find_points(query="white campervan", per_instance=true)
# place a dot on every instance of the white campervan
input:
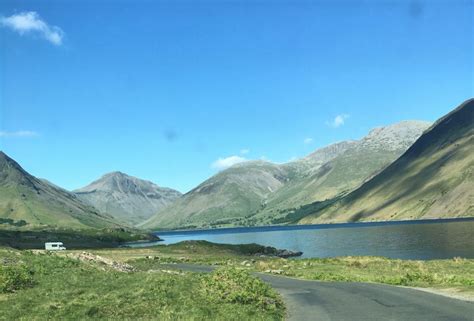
(54, 246)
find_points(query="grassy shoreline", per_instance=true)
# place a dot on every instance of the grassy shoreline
(456, 273)
(138, 283)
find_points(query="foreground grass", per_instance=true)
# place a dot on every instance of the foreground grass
(54, 287)
(436, 273)
(455, 273)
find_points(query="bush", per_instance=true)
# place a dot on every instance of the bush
(9, 221)
(13, 278)
(231, 285)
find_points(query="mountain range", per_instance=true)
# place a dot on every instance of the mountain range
(259, 192)
(224, 198)
(434, 178)
(407, 170)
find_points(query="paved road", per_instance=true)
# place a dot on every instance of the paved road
(338, 301)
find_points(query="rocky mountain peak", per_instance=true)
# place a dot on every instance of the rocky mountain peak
(325, 154)
(398, 136)
(126, 197)
(120, 182)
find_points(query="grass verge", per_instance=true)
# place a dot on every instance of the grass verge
(63, 288)
(450, 273)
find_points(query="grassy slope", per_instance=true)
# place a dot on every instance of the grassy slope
(69, 289)
(225, 197)
(20, 203)
(240, 202)
(24, 197)
(434, 178)
(260, 193)
(338, 177)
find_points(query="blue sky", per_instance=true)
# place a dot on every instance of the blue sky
(164, 89)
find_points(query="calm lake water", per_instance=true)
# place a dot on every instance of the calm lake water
(433, 239)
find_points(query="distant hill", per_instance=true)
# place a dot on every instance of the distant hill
(25, 199)
(127, 198)
(434, 178)
(228, 196)
(260, 193)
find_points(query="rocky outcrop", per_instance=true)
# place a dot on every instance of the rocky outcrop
(96, 259)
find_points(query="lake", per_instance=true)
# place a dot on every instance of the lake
(426, 239)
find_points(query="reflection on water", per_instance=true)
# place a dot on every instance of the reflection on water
(418, 240)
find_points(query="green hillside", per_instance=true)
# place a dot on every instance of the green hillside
(260, 193)
(226, 197)
(432, 179)
(355, 163)
(28, 201)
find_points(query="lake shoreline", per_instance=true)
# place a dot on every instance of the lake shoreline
(263, 228)
(447, 277)
(415, 240)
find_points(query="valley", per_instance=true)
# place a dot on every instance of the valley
(236, 160)
(408, 170)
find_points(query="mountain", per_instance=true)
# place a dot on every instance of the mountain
(340, 168)
(25, 199)
(261, 193)
(226, 197)
(127, 198)
(434, 178)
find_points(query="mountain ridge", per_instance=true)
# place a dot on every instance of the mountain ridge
(125, 197)
(28, 199)
(256, 192)
(432, 179)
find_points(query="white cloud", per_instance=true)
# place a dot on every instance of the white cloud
(30, 22)
(244, 151)
(20, 133)
(307, 140)
(223, 163)
(338, 121)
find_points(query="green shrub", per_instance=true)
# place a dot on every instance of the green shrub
(231, 285)
(11, 222)
(13, 278)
